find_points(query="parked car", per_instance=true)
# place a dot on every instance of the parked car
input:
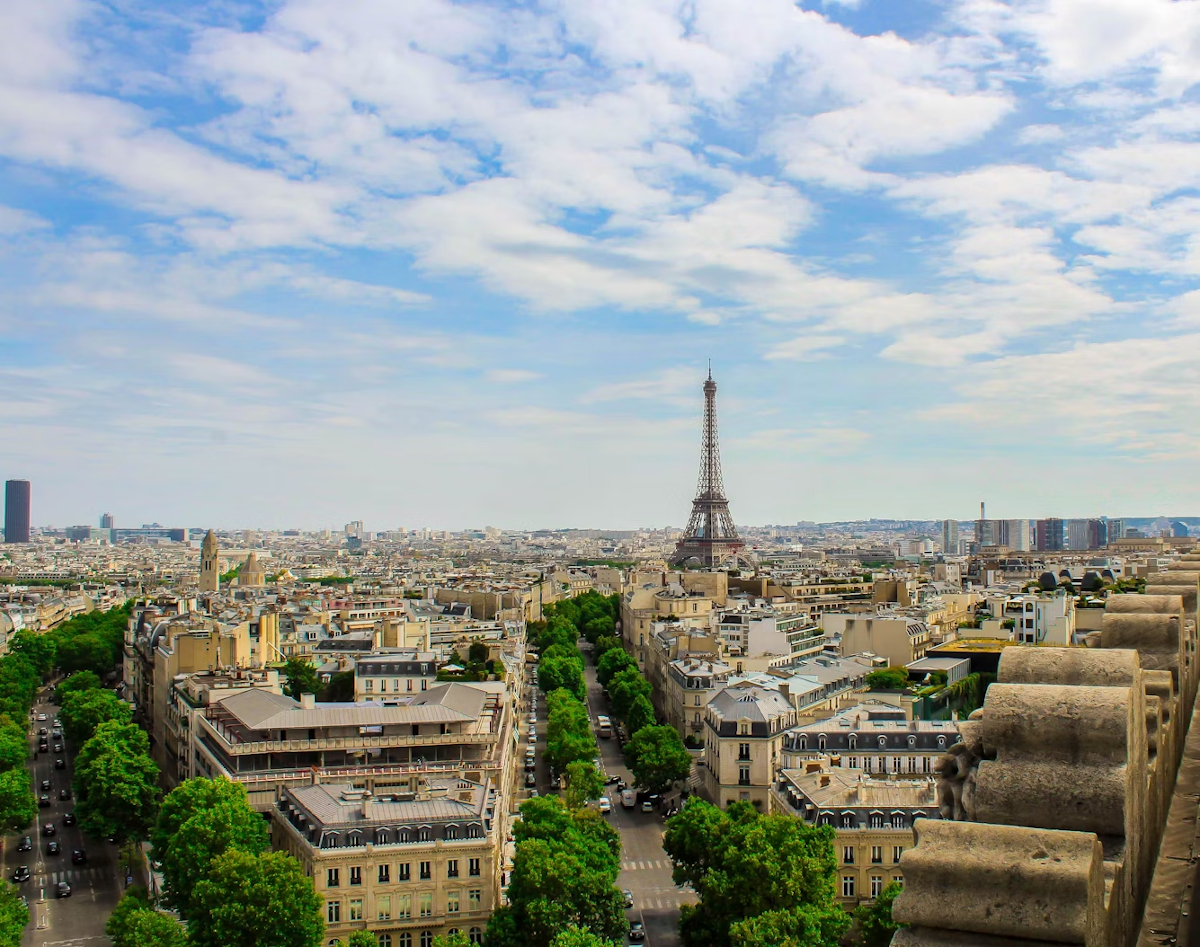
(628, 895)
(530, 780)
(647, 805)
(612, 780)
(25, 845)
(78, 857)
(637, 932)
(21, 874)
(62, 889)
(53, 848)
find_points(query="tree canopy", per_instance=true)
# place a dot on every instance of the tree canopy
(613, 661)
(79, 681)
(84, 710)
(17, 805)
(135, 922)
(625, 688)
(260, 900)
(559, 672)
(640, 714)
(657, 757)
(888, 679)
(583, 783)
(38, 649)
(873, 919)
(301, 678)
(116, 783)
(14, 915)
(568, 731)
(762, 880)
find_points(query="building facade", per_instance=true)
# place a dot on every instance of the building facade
(743, 743)
(17, 504)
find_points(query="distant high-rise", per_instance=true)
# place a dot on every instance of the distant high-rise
(16, 511)
(1115, 530)
(1049, 535)
(950, 541)
(106, 521)
(710, 536)
(1014, 534)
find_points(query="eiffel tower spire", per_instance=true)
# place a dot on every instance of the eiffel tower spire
(710, 536)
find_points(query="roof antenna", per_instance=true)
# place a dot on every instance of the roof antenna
(710, 369)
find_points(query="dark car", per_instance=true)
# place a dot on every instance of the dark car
(62, 889)
(43, 801)
(78, 857)
(612, 780)
(530, 779)
(637, 932)
(45, 785)
(53, 848)
(25, 845)
(60, 764)
(69, 818)
(628, 896)
(64, 793)
(56, 733)
(43, 747)
(58, 747)
(42, 731)
(48, 829)
(21, 874)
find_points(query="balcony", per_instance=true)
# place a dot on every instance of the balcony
(231, 745)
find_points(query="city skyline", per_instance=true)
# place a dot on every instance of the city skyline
(482, 283)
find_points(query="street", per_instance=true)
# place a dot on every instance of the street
(96, 885)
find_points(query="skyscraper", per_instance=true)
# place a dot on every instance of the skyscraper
(1049, 534)
(16, 511)
(950, 543)
(106, 521)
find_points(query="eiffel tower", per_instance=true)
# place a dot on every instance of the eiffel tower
(710, 537)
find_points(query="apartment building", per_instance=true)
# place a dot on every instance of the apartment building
(743, 744)
(691, 683)
(873, 819)
(392, 675)
(874, 737)
(405, 864)
(899, 638)
(645, 606)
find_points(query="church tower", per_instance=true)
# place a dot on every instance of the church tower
(210, 569)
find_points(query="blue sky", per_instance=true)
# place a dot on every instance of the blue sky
(457, 264)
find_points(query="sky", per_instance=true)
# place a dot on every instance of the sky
(465, 263)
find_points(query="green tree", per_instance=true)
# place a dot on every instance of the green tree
(596, 628)
(561, 672)
(14, 743)
(189, 798)
(17, 805)
(14, 915)
(19, 682)
(457, 939)
(478, 652)
(640, 715)
(301, 678)
(255, 901)
(37, 649)
(367, 939)
(205, 836)
(85, 653)
(874, 918)
(612, 663)
(604, 645)
(116, 783)
(583, 784)
(575, 936)
(568, 731)
(83, 711)
(888, 679)
(119, 924)
(340, 688)
(657, 757)
(761, 879)
(150, 928)
(79, 681)
(625, 688)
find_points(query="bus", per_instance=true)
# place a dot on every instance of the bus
(603, 727)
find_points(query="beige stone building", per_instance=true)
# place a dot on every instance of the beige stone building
(744, 730)
(900, 639)
(406, 864)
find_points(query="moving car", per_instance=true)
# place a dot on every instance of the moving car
(25, 845)
(21, 874)
(41, 717)
(60, 764)
(48, 829)
(78, 857)
(62, 890)
(45, 785)
(58, 747)
(69, 818)
(42, 731)
(637, 932)
(605, 805)
(44, 801)
(628, 798)
(64, 793)
(647, 805)
(53, 848)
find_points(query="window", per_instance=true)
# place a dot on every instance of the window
(409, 683)
(877, 820)
(356, 875)
(404, 872)
(452, 902)
(331, 878)
(895, 764)
(426, 871)
(451, 830)
(383, 907)
(356, 913)
(475, 935)
(333, 912)
(854, 762)
(475, 899)
(897, 851)
(925, 764)
(385, 940)
(899, 820)
(882, 742)
(473, 867)
(848, 855)
(385, 874)
(696, 701)
(425, 904)
(899, 879)
(847, 886)
(403, 906)
(942, 741)
(426, 936)
(912, 741)
(452, 868)
(405, 940)
(821, 742)
(743, 751)
(370, 685)
(744, 729)
(876, 854)
(876, 885)
(424, 687)
(847, 820)
(743, 775)
(395, 683)
(853, 741)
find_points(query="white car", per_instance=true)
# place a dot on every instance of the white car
(532, 736)
(605, 805)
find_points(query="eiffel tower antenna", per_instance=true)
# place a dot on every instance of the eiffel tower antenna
(710, 536)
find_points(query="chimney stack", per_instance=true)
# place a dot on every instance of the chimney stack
(366, 806)
(308, 701)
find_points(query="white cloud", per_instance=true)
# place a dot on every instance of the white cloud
(804, 348)
(511, 376)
